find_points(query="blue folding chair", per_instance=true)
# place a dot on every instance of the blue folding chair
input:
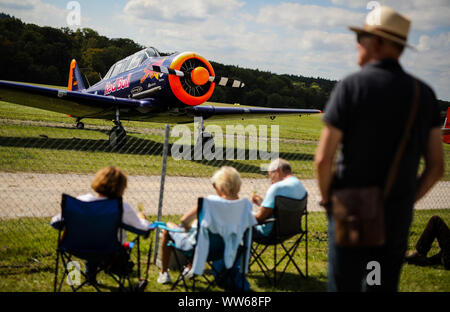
(92, 231)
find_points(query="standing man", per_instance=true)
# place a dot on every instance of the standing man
(366, 115)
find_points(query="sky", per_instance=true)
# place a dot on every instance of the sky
(308, 38)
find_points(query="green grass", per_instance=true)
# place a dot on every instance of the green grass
(41, 148)
(27, 260)
(48, 146)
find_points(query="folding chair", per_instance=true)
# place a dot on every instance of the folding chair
(288, 214)
(92, 231)
(216, 252)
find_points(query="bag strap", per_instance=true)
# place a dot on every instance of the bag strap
(401, 148)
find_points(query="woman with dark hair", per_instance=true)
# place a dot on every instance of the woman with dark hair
(109, 183)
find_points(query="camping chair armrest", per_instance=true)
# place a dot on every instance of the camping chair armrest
(162, 225)
(268, 220)
(58, 225)
(136, 231)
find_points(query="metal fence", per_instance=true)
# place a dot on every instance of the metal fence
(40, 160)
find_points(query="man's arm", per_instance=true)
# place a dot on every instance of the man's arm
(434, 163)
(326, 149)
(263, 214)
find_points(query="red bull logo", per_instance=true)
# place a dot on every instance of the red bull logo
(119, 84)
(151, 74)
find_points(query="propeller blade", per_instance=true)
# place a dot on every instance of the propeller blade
(221, 81)
(226, 82)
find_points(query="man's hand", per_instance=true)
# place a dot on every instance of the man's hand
(256, 199)
(434, 163)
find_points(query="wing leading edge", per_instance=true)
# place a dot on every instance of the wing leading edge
(79, 104)
(214, 112)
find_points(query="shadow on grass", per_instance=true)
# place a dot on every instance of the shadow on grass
(140, 146)
(289, 282)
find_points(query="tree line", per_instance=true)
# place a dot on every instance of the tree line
(32, 53)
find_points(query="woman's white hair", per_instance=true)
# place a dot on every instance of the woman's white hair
(227, 180)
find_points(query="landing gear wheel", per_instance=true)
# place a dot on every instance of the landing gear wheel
(117, 137)
(208, 142)
(80, 125)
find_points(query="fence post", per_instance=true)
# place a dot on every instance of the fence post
(161, 189)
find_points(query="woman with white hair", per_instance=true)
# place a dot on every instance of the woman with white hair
(227, 183)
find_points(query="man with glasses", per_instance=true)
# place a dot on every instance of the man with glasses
(284, 183)
(366, 115)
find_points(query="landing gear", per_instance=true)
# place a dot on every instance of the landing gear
(208, 142)
(205, 139)
(117, 135)
(79, 125)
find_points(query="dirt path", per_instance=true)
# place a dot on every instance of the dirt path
(39, 195)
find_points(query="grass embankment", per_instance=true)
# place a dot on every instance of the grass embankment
(28, 264)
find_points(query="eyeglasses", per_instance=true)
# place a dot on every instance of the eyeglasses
(360, 36)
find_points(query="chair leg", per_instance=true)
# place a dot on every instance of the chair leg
(263, 267)
(180, 276)
(56, 271)
(275, 266)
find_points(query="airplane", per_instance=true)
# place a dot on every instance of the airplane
(144, 86)
(446, 128)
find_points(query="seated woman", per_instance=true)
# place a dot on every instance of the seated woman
(227, 183)
(109, 183)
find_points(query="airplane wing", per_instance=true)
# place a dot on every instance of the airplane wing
(73, 103)
(217, 113)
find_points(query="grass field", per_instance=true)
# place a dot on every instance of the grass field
(46, 145)
(22, 268)
(50, 141)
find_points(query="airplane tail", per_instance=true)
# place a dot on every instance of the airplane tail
(75, 81)
(446, 128)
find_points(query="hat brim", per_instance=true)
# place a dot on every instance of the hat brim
(380, 33)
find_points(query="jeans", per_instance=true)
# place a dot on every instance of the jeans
(348, 267)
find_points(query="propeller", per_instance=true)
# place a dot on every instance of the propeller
(199, 76)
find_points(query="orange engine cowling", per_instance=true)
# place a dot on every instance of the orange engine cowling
(195, 89)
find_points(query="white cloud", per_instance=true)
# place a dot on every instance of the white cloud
(298, 16)
(180, 11)
(424, 14)
(431, 62)
(35, 11)
(351, 3)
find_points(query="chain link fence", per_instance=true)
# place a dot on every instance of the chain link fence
(40, 160)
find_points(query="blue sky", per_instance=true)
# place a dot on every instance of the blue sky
(307, 38)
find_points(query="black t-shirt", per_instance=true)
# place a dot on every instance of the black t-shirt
(371, 108)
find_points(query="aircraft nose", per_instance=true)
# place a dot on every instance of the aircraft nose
(199, 76)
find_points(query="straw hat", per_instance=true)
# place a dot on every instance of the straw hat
(384, 22)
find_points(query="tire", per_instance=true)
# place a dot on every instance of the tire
(117, 137)
(208, 139)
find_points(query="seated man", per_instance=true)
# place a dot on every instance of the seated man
(283, 184)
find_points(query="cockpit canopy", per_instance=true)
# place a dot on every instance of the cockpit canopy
(131, 62)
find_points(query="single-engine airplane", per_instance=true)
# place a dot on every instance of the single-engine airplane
(446, 128)
(144, 86)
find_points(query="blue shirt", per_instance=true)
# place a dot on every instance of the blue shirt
(290, 187)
